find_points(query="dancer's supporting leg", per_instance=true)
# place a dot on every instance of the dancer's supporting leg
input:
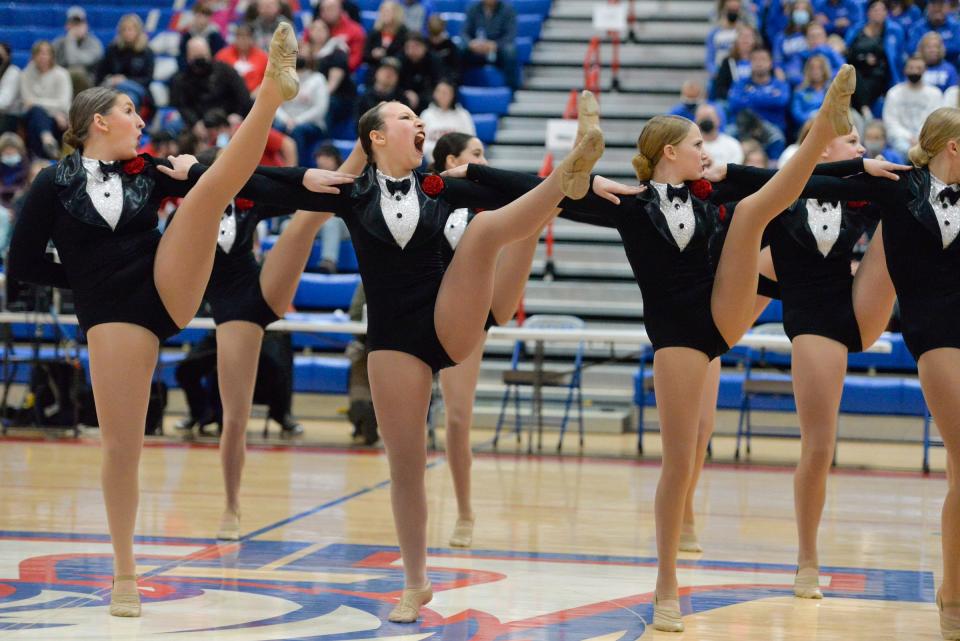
(819, 366)
(735, 287)
(708, 420)
(939, 371)
(122, 356)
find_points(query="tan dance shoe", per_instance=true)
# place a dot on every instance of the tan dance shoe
(229, 527)
(462, 536)
(806, 584)
(576, 167)
(949, 623)
(125, 604)
(836, 104)
(412, 599)
(588, 114)
(282, 64)
(666, 615)
(690, 543)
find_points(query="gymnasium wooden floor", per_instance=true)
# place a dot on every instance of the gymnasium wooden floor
(563, 550)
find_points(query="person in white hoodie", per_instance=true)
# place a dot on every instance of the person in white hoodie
(444, 115)
(304, 118)
(908, 104)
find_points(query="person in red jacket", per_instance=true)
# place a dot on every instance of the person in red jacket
(331, 12)
(249, 60)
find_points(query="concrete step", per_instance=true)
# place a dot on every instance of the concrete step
(590, 261)
(525, 129)
(655, 81)
(567, 230)
(619, 300)
(644, 10)
(614, 164)
(613, 106)
(646, 32)
(652, 56)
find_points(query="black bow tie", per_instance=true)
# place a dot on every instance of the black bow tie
(393, 186)
(831, 203)
(108, 168)
(682, 192)
(949, 193)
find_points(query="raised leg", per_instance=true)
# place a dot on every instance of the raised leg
(185, 255)
(459, 386)
(735, 286)
(238, 354)
(873, 293)
(280, 274)
(122, 361)
(819, 366)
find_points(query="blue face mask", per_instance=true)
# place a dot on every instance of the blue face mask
(801, 17)
(11, 160)
(222, 139)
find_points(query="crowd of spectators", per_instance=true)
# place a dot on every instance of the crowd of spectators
(769, 64)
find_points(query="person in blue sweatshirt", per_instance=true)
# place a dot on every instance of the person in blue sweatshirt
(758, 104)
(838, 15)
(940, 19)
(940, 73)
(905, 13)
(816, 41)
(808, 97)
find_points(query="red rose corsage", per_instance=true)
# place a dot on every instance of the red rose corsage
(432, 185)
(722, 213)
(243, 204)
(701, 188)
(134, 166)
(857, 204)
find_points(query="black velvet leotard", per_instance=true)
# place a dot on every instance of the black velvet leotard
(109, 270)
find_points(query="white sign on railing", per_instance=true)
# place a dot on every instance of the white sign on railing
(610, 17)
(561, 133)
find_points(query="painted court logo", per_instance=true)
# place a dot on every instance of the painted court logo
(52, 587)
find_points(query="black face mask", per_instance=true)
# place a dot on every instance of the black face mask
(733, 16)
(201, 66)
(707, 126)
(914, 77)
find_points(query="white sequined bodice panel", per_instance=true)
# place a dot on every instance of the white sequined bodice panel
(456, 224)
(948, 215)
(401, 212)
(679, 215)
(105, 191)
(228, 229)
(823, 218)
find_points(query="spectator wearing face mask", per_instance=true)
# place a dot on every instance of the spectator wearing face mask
(730, 14)
(907, 105)
(202, 26)
(940, 73)
(792, 41)
(13, 167)
(837, 15)
(875, 143)
(207, 84)
(718, 145)
(815, 37)
(691, 97)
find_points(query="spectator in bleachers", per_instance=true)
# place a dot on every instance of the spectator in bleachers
(415, 14)
(330, 57)
(46, 92)
(489, 37)
(304, 118)
(388, 36)
(718, 145)
(691, 97)
(443, 116)
(78, 50)
(386, 86)
(14, 166)
(334, 231)
(265, 16)
(207, 84)
(908, 104)
(905, 13)
(246, 58)
(162, 144)
(127, 65)
(791, 41)
(35, 168)
(754, 155)
(837, 16)
(940, 73)
(444, 48)
(759, 104)
(730, 15)
(9, 90)
(939, 17)
(808, 97)
(201, 27)
(420, 72)
(342, 26)
(815, 37)
(875, 143)
(736, 65)
(873, 50)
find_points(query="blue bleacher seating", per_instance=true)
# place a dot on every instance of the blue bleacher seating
(360, 75)
(495, 100)
(486, 76)
(368, 19)
(449, 6)
(524, 50)
(529, 26)
(454, 22)
(486, 125)
(325, 291)
(346, 263)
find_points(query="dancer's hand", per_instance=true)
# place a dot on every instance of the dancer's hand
(324, 181)
(716, 172)
(460, 171)
(610, 189)
(883, 168)
(181, 166)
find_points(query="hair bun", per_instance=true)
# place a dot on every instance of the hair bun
(919, 156)
(70, 138)
(641, 165)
